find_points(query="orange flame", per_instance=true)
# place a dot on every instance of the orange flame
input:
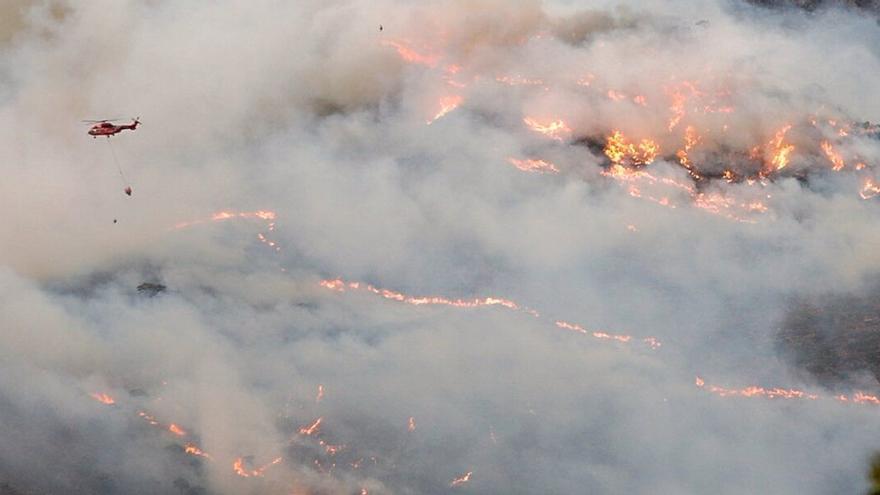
(650, 341)
(103, 398)
(587, 80)
(410, 55)
(227, 215)
(835, 158)
(311, 429)
(869, 189)
(712, 203)
(461, 479)
(753, 391)
(330, 449)
(149, 419)
(616, 95)
(619, 150)
(412, 424)
(519, 81)
(691, 138)
(534, 166)
(554, 129)
(239, 469)
(266, 215)
(173, 428)
(193, 450)
(784, 393)
(446, 105)
(340, 285)
(677, 108)
(781, 152)
(862, 398)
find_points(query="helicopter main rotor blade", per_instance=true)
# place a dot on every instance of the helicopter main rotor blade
(100, 121)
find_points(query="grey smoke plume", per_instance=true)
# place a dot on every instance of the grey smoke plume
(308, 110)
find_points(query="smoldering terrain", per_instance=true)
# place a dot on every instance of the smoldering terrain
(439, 247)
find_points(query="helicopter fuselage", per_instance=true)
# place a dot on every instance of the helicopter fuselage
(108, 129)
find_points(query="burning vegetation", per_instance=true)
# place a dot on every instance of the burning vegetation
(710, 145)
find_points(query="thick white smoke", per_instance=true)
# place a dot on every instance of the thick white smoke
(389, 157)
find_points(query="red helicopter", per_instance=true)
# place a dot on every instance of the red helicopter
(107, 128)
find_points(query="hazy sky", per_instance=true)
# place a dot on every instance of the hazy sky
(308, 111)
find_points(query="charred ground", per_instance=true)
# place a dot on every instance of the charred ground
(835, 338)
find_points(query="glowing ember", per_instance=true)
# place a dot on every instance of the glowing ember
(835, 158)
(461, 479)
(554, 129)
(103, 398)
(446, 105)
(311, 429)
(412, 424)
(534, 166)
(320, 394)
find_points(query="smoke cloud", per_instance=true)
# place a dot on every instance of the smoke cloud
(431, 257)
